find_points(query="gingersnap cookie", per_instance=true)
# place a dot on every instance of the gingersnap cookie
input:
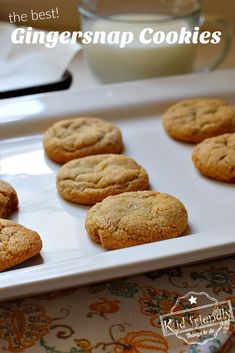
(215, 157)
(80, 137)
(8, 199)
(90, 179)
(194, 120)
(135, 218)
(17, 244)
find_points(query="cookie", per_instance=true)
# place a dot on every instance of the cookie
(135, 218)
(90, 179)
(8, 199)
(17, 244)
(80, 137)
(194, 120)
(215, 157)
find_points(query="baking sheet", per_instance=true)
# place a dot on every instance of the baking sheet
(69, 257)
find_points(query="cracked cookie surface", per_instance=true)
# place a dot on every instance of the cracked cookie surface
(135, 218)
(79, 137)
(215, 157)
(194, 120)
(17, 244)
(90, 179)
(8, 199)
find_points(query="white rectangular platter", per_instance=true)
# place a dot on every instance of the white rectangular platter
(69, 257)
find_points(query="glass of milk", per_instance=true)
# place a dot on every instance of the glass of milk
(127, 39)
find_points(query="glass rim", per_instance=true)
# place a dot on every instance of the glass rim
(89, 14)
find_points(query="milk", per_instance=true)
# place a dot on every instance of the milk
(137, 60)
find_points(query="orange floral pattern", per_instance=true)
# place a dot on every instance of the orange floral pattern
(22, 325)
(83, 320)
(84, 344)
(140, 342)
(105, 306)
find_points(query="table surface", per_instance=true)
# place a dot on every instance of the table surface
(118, 316)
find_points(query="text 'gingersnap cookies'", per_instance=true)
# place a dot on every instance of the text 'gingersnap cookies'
(8, 200)
(215, 158)
(79, 137)
(17, 244)
(194, 120)
(135, 218)
(89, 180)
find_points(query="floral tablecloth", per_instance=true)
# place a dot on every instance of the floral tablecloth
(120, 316)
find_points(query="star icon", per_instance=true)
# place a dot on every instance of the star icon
(192, 300)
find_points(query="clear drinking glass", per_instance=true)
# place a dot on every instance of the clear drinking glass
(110, 63)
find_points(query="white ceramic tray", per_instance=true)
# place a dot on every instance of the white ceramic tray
(69, 257)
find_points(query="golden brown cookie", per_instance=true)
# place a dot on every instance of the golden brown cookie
(215, 157)
(8, 199)
(79, 137)
(194, 120)
(17, 244)
(135, 218)
(90, 179)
